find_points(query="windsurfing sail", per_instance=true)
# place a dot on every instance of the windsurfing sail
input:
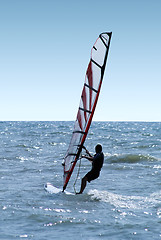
(89, 97)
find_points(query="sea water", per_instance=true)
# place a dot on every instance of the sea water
(123, 203)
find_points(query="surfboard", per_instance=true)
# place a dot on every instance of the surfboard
(54, 190)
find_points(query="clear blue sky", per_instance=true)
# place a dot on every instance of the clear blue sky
(45, 48)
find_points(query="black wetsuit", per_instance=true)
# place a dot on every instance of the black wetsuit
(97, 164)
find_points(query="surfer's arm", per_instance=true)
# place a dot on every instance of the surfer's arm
(90, 158)
(87, 152)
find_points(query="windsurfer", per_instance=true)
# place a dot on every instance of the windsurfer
(97, 163)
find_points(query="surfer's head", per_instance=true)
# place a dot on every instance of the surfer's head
(98, 148)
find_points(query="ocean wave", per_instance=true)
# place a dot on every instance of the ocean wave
(131, 158)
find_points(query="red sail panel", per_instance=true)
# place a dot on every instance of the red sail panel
(84, 99)
(89, 97)
(90, 82)
(79, 118)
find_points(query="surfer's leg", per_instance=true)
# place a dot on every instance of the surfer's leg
(83, 184)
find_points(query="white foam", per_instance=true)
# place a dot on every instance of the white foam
(120, 201)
